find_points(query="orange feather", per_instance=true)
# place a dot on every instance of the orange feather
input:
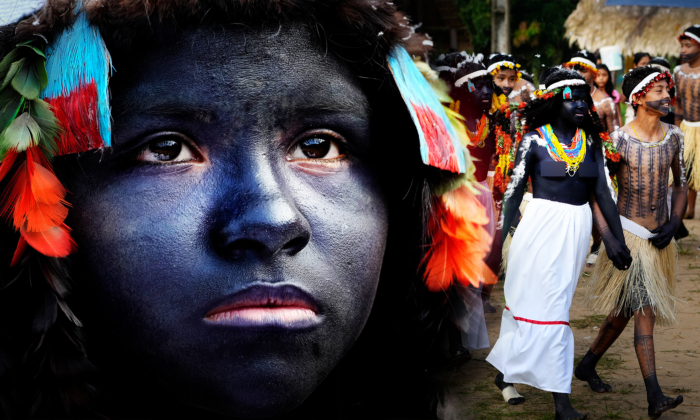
(459, 241)
(21, 247)
(54, 242)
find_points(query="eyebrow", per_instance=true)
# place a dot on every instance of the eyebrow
(182, 112)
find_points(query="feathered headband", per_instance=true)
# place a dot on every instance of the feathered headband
(495, 67)
(54, 100)
(581, 61)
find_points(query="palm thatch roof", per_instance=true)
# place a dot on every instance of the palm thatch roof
(633, 28)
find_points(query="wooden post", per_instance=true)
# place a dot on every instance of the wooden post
(500, 26)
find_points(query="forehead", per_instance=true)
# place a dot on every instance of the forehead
(235, 69)
(506, 72)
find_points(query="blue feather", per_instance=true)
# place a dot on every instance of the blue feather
(77, 57)
(416, 92)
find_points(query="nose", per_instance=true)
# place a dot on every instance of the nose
(261, 219)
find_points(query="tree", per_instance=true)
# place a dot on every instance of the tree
(537, 29)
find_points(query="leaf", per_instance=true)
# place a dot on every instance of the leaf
(10, 102)
(14, 68)
(22, 133)
(7, 61)
(36, 50)
(27, 82)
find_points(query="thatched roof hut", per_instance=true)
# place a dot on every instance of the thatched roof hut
(633, 28)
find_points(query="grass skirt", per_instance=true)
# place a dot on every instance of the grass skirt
(650, 280)
(691, 154)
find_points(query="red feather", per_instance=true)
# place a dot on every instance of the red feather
(54, 242)
(7, 163)
(21, 247)
(459, 241)
(77, 116)
(441, 152)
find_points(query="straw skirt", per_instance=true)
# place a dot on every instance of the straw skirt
(536, 346)
(691, 152)
(650, 280)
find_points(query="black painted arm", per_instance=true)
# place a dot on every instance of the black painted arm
(518, 181)
(679, 199)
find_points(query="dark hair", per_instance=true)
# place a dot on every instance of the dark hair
(663, 62)
(609, 87)
(460, 63)
(638, 57)
(540, 111)
(547, 72)
(496, 57)
(633, 78)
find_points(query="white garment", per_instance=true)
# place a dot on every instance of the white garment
(536, 346)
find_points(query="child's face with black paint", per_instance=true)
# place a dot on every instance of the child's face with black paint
(231, 242)
(689, 50)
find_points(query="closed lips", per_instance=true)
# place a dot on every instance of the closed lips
(267, 306)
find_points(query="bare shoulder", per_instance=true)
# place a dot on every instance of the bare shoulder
(674, 130)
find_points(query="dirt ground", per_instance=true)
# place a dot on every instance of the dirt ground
(471, 393)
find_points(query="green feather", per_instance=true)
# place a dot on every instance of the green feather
(24, 132)
(12, 72)
(7, 61)
(10, 102)
(27, 81)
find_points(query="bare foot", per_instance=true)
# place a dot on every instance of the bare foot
(666, 403)
(488, 308)
(594, 381)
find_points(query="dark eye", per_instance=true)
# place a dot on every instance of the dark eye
(167, 149)
(316, 147)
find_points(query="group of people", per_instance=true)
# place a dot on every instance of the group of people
(249, 234)
(562, 147)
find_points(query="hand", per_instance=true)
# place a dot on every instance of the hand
(664, 234)
(619, 254)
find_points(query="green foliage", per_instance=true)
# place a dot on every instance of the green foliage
(537, 28)
(476, 16)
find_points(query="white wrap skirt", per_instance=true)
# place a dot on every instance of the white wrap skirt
(536, 346)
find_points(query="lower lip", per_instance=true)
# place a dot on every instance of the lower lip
(290, 317)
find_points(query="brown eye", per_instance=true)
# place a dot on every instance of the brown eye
(167, 149)
(316, 147)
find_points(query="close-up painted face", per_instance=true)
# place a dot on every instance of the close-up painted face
(657, 100)
(601, 78)
(230, 243)
(575, 109)
(483, 95)
(689, 50)
(505, 79)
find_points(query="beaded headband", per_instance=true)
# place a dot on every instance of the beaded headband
(690, 35)
(582, 62)
(479, 73)
(645, 85)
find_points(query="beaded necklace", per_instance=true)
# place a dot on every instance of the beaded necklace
(572, 155)
(482, 130)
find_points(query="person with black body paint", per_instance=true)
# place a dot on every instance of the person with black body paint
(563, 156)
(472, 90)
(251, 239)
(648, 150)
(687, 80)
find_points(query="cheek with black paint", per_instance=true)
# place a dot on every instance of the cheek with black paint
(660, 105)
(689, 57)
